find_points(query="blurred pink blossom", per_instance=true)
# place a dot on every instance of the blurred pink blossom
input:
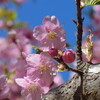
(2, 24)
(96, 51)
(96, 20)
(8, 50)
(31, 90)
(4, 89)
(20, 1)
(1, 69)
(3, 1)
(96, 8)
(21, 34)
(97, 33)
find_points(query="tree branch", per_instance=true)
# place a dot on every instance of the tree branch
(71, 90)
(67, 67)
(79, 34)
(84, 86)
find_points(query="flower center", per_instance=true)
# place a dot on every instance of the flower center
(51, 34)
(43, 68)
(32, 88)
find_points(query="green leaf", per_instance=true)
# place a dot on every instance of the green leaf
(11, 74)
(2, 12)
(92, 2)
(10, 15)
(20, 24)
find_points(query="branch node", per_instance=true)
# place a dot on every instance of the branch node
(75, 21)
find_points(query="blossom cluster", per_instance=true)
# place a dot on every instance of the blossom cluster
(28, 76)
(41, 68)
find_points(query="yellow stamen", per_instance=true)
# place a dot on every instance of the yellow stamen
(43, 68)
(51, 34)
(61, 67)
(33, 87)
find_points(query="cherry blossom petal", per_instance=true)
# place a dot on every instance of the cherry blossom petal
(55, 20)
(22, 82)
(33, 59)
(39, 32)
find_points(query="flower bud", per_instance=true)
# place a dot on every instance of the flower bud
(68, 56)
(53, 52)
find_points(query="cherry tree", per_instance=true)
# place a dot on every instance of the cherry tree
(33, 76)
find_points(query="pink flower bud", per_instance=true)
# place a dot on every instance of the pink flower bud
(53, 52)
(68, 56)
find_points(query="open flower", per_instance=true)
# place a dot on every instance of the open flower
(42, 67)
(31, 90)
(50, 34)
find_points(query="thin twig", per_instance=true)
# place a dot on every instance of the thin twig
(74, 21)
(66, 66)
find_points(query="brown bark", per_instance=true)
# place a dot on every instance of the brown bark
(71, 89)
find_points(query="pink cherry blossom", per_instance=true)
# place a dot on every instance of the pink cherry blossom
(3, 1)
(1, 69)
(96, 20)
(50, 34)
(58, 80)
(31, 90)
(8, 51)
(20, 1)
(3, 43)
(97, 33)
(20, 71)
(15, 90)
(96, 8)
(20, 65)
(96, 16)
(2, 24)
(68, 56)
(18, 35)
(96, 52)
(21, 34)
(42, 67)
(4, 89)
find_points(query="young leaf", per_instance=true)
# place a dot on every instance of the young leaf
(10, 15)
(92, 2)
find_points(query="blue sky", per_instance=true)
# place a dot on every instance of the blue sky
(33, 12)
